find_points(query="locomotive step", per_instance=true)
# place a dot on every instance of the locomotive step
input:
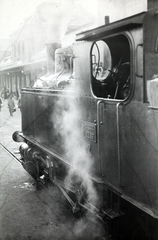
(111, 213)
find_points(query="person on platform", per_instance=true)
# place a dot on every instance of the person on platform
(11, 106)
(19, 102)
(0, 103)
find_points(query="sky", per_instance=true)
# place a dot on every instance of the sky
(13, 12)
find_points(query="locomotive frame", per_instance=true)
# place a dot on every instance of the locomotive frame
(93, 131)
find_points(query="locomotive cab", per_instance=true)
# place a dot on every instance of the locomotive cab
(122, 61)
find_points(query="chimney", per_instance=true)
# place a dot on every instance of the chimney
(107, 20)
(56, 30)
(50, 48)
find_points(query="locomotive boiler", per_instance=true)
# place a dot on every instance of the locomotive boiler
(92, 127)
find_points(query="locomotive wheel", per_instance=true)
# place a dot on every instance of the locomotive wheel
(88, 213)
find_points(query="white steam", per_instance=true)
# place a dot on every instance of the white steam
(67, 122)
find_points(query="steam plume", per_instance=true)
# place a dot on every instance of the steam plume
(67, 123)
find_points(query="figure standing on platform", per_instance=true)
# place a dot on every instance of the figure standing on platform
(0, 103)
(19, 102)
(11, 105)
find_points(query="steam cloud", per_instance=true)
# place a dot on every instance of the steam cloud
(68, 125)
(67, 122)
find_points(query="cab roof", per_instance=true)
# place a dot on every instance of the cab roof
(111, 28)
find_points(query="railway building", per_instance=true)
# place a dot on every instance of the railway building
(27, 56)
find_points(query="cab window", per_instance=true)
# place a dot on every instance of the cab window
(110, 68)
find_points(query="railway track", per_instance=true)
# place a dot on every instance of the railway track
(11, 154)
(5, 130)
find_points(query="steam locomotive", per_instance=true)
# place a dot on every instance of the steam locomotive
(91, 128)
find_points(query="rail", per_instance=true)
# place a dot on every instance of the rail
(10, 153)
